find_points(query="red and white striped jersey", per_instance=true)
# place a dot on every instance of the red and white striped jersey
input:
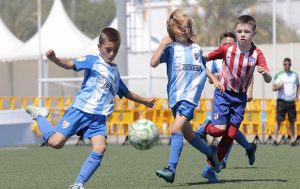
(238, 67)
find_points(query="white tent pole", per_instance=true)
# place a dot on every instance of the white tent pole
(39, 23)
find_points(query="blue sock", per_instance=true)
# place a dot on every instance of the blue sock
(90, 165)
(46, 128)
(175, 150)
(200, 145)
(241, 140)
(225, 159)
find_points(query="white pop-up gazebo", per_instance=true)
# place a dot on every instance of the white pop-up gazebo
(59, 33)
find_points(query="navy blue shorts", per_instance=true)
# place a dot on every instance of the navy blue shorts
(75, 121)
(185, 108)
(228, 108)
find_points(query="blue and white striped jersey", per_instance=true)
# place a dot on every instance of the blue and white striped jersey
(186, 72)
(100, 85)
(216, 66)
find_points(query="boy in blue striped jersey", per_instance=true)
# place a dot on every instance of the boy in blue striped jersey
(92, 105)
(186, 78)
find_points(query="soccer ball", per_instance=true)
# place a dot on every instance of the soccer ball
(277, 83)
(143, 134)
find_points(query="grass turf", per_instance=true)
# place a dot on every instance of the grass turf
(125, 167)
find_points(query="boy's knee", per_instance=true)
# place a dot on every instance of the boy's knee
(100, 148)
(232, 131)
(56, 144)
(57, 141)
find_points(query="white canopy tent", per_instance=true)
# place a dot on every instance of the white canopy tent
(58, 32)
(9, 41)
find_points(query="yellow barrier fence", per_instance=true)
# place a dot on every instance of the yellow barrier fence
(126, 112)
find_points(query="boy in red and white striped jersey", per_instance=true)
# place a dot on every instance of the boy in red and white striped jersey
(239, 62)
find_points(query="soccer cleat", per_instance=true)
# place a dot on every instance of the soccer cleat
(201, 130)
(214, 160)
(36, 111)
(251, 154)
(76, 186)
(166, 174)
(209, 174)
(223, 164)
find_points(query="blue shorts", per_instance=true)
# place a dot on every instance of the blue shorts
(228, 108)
(185, 108)
(75, 121)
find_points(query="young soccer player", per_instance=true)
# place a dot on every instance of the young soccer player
(239, 62)
(186, 78)
(92, 105)
(228, 38)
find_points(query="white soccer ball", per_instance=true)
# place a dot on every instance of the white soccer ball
(143, 134)
(277, 82)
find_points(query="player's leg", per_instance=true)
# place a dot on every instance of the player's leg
(237, 108)
(249, 147)
(93, 161)
(196, 141)
(291, 110)
(280, 116)
(168, 173)
(95, 129)
(40, 114)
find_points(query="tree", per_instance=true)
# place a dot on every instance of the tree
(21, 15)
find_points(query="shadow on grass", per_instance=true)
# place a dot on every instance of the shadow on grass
(225, 181)
(247, 168)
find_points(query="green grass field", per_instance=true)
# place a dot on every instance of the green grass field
(127, 168)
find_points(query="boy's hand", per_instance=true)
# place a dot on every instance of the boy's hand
(166, 41)
(267, 77)
(150, 102)
(218, 85)
(51, 54)
(261, 70)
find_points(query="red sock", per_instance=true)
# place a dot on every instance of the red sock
(214, 131)
(226, 142)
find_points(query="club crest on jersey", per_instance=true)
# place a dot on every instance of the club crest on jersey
(216, 116)
(196, 56)
(65, 124)
(83, 58)
(251, 60)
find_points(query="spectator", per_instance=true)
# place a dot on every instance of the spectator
(286, 82)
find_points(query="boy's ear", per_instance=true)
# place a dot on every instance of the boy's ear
(98, 45)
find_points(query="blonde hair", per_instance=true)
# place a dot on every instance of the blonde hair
(180, 17)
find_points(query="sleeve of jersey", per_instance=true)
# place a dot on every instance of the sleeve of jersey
(213, 67)
(164, 56)
(219, 53)
(123, 90)
(261, 61)
(202, 58)
(82, 63)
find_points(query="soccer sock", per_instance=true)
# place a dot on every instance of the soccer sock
(241, 140)
(224, 146)
(225, 159)
(45, 127)
(199, 144)
(175, 150)
(226, 142)
(90, 165)
(214, 131)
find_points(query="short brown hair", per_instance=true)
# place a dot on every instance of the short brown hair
(246, 19)
(227, 34)
(110, 34)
